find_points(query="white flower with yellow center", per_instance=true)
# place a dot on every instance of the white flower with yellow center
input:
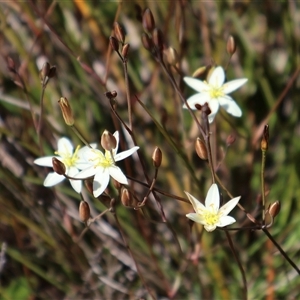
(72, 161)
(215, 93)
(210, 215)
(102, 166)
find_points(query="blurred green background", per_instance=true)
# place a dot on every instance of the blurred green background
(41, 255)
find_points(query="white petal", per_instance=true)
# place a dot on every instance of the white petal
(45, 161)
(229, 206)
(116, 135)
(197, 205)
(126, 153)
(214, 107)
(196, 218)
(233, 85)
(86, 173)
(210, 228)
(225, 221)
(217, 77)
(100, 182)
(230, 106)
(65, 146)
(197, 99)
(116, 173)
(213, 197)
(196, 84)
(76, 184)
(53, 179)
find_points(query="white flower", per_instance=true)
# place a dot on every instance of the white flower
(72, 161)
(102, 166)
(215, 93)
(210, 215)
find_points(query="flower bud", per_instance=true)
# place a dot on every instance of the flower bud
(157, 157)
(148, 20)
(114, 43)
(52, 72)
(205, 109)
(158, 39)
(274, 209)
(230, 140)
(66, 111)
(265, 139)
(116, 184)
(11, 65)
(127, 199)
(125, 50)
(201, 72)
(108, 141)
(111, 95)
(172, 56)
(201, 149)
(58, 166)
(45, 71)
(231, 45)
(147, 42)
(119, 32)
(84, 211)
(89, 185)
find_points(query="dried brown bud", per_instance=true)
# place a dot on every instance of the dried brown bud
(89, 185)
(58, 166)
(108, 141)
(274, 209)
(52, 72)
(125, 50)
(201, 149)
(119, 32)
(11, 65)
(205, 109)
(230, 140)
(148, 20)
(111, 94)
(147, 42)
(156, 157)
(66, 111)
(116, 184)
(172, 56)
(231, 45)
(158, 39)
(84, 211)
(127, 199)
(114, 43)
(45, 70)
(265, 139)
(201, 72)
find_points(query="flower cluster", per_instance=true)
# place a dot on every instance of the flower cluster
(86, 162)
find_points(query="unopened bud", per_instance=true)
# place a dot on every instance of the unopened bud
(58, 166)
(84, 211)
(116, 184)
(52, 72)
(111, 95)
(66, 111)
(89, 185)
(201, 149)
(274, 209)
(119, 32)
(147, 42)
(108, 141)
(157, 157)
(114, 43)
(205, 109)
(11, 65)
(148, 20)
(231, 45)
(126, 198)
(172, 56)
(265, 139)
(158, 39)
(45, 70)
(201, 72)
(230, 140)
(125, 50)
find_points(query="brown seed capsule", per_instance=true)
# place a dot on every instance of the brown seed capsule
(58, 166)
(126, 198)
(265, 139)
(172, 56)
(125, 50)
(66, 111)
(52, 72)
(231, 45)
(111, 94)
(230, 140)
(148, 20)
(147, 42)
(156, 157)
(274, 209)
(45, 70)
(89, 185)
(158, 39)
(116, 184)
(201, 149)
(84, 211)
(119, 32)
(114, 43)
(108, 141)
(11, 65)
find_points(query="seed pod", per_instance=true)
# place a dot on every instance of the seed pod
(45, 71)
(52, 72)
(147, 42)
(231, 45)
(111, 95)
(125, 50)
(158, 39)
(230, 140)
(172, 56)
(148, 20)
(119, 32)
(58, 166)
(116, 184)
(274, 209)
(201, 149)
(157, 157)
(11, 65)
(108, 141)
(265, 139)
(66, 111)
(126, 198)
(84, 211)
(114, 43)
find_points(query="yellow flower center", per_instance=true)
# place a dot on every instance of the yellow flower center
(103, 161)
(68, 158)
(215, 92)
(211, 218)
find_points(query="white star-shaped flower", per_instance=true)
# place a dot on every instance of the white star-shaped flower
(210, 215)
(215, 93)
(102, 166)
(72, 161)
